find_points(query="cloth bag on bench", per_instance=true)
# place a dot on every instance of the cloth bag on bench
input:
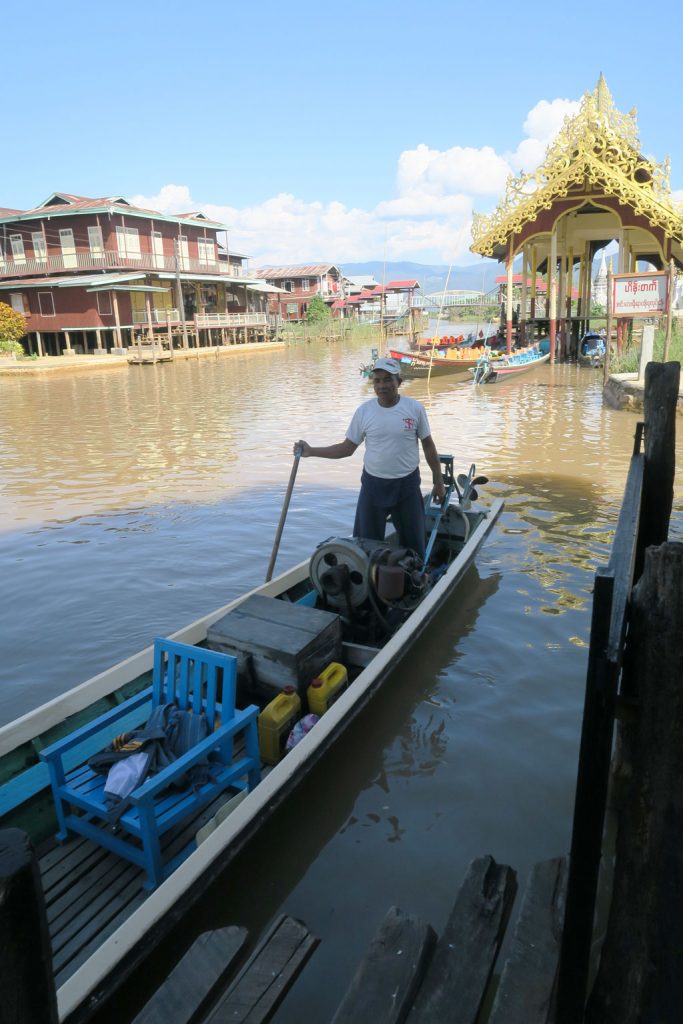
(168, 734)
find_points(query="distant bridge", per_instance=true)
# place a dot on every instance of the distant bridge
(437, 300)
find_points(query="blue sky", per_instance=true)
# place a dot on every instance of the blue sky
(364, 131)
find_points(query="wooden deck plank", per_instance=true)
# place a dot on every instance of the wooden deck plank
(388, 977)
(191, 987)
(527, 983)
(263, 982)
(98, 919)
(459, 973)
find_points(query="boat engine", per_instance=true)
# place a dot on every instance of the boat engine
(368, 581)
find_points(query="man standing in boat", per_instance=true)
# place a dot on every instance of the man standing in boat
(390, 424)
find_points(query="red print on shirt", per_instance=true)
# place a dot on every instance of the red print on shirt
(409, 423)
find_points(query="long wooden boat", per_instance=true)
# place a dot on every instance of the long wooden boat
(456, 363)
(490, 369)
(102, 921)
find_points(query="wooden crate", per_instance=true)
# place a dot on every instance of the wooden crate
(289, 644)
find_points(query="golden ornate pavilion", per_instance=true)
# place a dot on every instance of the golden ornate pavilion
(593, 187)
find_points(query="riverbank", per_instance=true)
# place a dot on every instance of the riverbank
(626, 391)
(49, 365)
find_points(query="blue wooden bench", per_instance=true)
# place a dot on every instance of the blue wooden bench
(196, 680)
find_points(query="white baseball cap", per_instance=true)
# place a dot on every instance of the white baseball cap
(388, 364)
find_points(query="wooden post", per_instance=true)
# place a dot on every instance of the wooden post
(639, 978)
(148, 309)
(669, 311)
(608, 339)
(662, 382)
(169, 333)
(27, 992)
(534, 271)
(117, 320)
(39, 344)
(179, 292)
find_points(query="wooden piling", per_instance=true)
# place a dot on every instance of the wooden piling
(639, 979)
(27, 992)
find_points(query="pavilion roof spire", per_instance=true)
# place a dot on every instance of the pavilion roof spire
(598, 147)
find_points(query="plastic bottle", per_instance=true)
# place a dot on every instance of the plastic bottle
(326, 687)
(275, 723)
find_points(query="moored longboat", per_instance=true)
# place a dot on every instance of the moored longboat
(384, 601)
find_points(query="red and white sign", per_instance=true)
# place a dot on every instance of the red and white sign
(639, 294)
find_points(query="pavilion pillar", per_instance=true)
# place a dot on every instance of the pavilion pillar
(522, 312)
(560, 309)
(552, 293)
(568, 294)
(534, 272)
(508, 298)
(589, 283)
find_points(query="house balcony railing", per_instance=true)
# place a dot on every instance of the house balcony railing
(110, 259)
(164, 317)
(232, 320)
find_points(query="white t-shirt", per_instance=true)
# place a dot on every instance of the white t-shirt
(390, 436)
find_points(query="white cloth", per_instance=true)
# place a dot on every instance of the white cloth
(390, 436)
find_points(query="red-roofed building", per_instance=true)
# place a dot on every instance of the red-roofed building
(297, 285)
(93, 274)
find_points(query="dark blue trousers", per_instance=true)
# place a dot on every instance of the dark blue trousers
(400, 498)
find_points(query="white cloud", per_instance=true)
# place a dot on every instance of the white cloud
(428, 219)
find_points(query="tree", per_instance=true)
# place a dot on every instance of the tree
(317, 310)
(12, 328)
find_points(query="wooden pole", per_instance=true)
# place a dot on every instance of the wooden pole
(27, 991)
(283, 515)
(179, 293)
(669, 311)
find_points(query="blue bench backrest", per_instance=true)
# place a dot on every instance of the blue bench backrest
(196, 679)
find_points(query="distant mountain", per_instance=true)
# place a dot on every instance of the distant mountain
(432, 278)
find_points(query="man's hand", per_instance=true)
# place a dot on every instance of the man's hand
(439, 492)
(302, 448)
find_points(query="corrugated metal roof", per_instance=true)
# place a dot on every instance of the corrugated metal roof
(308, 270)
(403, 284)
(68, 282)
(108, 204)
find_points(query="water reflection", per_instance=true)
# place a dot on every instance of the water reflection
(131, 502)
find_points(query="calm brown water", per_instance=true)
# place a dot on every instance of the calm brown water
(133, 501)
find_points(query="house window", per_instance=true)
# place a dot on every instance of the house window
(287, 286)
(46, 303)
(17, 243)
(66, 240)
(95, 240)
(128, 242)
(292, 308)
(183, 251)
(104, 303)
(19, 303)
(158, 248)
(207, 252)
(39, 247)
(305, 284)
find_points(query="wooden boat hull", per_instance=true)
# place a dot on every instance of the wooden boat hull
(416, 366)
(123, 950)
